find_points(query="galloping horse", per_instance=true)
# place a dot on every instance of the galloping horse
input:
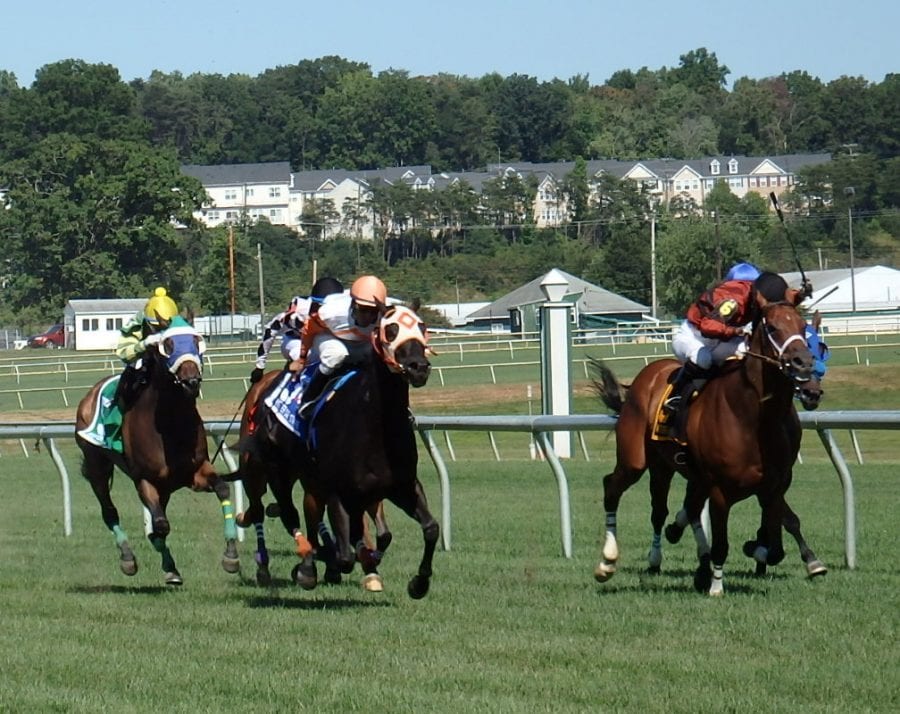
(742, 436)
(163, 447)
(364, 451)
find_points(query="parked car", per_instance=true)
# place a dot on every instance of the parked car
(52, 338)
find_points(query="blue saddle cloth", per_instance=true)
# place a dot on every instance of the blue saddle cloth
(285, 399)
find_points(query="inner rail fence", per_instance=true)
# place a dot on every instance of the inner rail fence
(540, 427)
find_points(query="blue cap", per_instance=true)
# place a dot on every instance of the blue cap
(743, 271)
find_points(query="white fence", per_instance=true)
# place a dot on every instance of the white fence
(539, 426)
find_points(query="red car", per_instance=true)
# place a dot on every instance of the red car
(54, 337)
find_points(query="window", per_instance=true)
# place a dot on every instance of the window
(732, 166)
(231, 194)
(274, 192)
(90, 324)
(248, 192)
(213, 215)
(274, 215)
(113, 323)
(231, 215)
(715, 167)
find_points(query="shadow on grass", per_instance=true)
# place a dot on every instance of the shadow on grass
(121, 589)
(681, 580)
(319, 603)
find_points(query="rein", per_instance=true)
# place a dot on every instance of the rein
(779, 349)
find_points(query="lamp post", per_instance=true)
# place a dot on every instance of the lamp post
(556, 333)
(850, 192)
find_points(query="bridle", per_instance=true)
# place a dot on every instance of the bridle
(398, 326)
(778, 347)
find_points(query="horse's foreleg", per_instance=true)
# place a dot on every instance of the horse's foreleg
(416, 505)
(230, 561)
(814, 566)
(383, 536)
(156, 502)
(254, 515)
(660, 482)
(99, 476)
(706, 578)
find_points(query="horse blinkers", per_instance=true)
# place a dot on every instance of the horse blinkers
(404, 344)
(183, 355)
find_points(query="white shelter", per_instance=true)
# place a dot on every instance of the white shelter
(95, 324)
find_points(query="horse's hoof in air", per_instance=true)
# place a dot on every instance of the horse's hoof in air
(673, 533)
(604, 571)
(173, 577)
(273, 510)
(242, 520)
(305, 576)
(418, 587)
(815, 567)
(128, 566)
(749, 548)
(372, 583)
(761, 554)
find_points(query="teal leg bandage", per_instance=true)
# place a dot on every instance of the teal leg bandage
(121, 536)
(228, 515)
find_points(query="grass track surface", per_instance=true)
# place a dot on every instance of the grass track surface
(509, 625)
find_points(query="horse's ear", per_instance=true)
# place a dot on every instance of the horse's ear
(163, 323)
(189, 316)
(416, 304)
(794, 296)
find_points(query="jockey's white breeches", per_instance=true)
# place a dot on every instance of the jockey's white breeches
(333, 352)
(690, 346)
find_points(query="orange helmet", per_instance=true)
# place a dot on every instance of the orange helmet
(368, 290)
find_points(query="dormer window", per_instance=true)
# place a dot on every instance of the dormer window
(733, 166)
(715, 167)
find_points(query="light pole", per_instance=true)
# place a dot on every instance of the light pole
(850, 192)
(653, 262)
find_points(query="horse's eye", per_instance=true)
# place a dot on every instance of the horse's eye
(391, 332)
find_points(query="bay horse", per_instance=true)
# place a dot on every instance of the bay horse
(163, 449)
(364, 452)
(742, 438)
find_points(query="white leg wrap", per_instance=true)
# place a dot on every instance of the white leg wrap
(717, 588)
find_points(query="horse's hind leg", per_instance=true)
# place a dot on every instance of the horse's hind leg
(254, 515)
(304, 573)
(99, 471)
(614, 485)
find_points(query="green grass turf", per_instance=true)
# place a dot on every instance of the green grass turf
(509, 626)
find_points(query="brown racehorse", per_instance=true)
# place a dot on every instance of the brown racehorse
(165, 448)
(742, 435)
(365, 451)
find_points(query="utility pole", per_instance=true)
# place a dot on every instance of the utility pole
(231, 268)
(262, 300)
(653, 264)
(718, 249)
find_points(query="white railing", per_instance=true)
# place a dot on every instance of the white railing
(539, 426)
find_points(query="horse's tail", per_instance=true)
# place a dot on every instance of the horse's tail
(606, 386)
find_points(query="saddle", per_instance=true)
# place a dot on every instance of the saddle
(284, 400)
(105, 429)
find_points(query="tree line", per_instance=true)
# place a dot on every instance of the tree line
(90, 166)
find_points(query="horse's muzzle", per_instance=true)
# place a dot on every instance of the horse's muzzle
(191, 385)
(810, 394)
(417, 373)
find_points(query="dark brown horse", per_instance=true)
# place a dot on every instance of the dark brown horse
(164, 448)
(364, 452)
(742, 434)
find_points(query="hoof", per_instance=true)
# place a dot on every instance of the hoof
(273, 510)
(263, 576)
(703, 576)
(654, 560)
(761, 555)
(305, 576)
(173, 577)
(128, 566)
(654, 570)
(418, 587)
(372, 583)
(815, 568)
(333, 576)
(242, 520)
(604, 571)
(673, 533)
(230, 561)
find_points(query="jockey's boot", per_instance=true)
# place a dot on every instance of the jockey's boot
(312, 392)
(689, 378)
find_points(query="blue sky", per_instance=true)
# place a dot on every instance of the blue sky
(544, 39)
